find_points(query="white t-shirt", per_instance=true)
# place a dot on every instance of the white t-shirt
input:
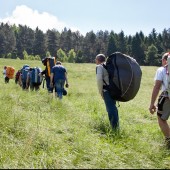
(4, 73)
(162, 76)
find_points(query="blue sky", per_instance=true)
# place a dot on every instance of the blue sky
(131, 16)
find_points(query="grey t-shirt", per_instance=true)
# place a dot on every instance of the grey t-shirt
(101, 74)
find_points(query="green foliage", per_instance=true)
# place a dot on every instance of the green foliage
(152, 55)
(48, 54)
(25, 54)
(30, 57)
(15, 40)
(79, 57)
(52, 42)
(39, 46)
(61, 55)
(71, 56)
(9, 55)
(37, 57)
(112, 44)
(40, 132)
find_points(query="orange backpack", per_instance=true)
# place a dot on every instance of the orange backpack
(10, 72)
(50, 63)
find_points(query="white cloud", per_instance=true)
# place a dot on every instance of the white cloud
(24, 15)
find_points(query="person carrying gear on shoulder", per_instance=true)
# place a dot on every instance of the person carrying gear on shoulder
(163, 105)
(17, 75)
(5, 77)
(28, 79)
(48, 62)
(34, 78)
(102, 77)
(58, 79)
(24, 72)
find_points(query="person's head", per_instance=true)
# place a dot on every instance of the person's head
(5, 67)
(30, 69)
(164, 58)
(58, 63)
(100, 58)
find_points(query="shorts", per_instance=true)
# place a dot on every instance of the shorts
(163, 107)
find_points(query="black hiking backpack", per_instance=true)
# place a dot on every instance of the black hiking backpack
(124, 76)
(49, 62)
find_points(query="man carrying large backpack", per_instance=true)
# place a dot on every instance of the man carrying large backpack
(103, 80)
(23, 77)
(163, 106)
(48, 62)
(8, 73)
(5, 76)
(34, 78)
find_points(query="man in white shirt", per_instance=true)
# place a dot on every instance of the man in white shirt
(102, 83)
(163, 106)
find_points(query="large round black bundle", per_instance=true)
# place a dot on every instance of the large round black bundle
(124, 76)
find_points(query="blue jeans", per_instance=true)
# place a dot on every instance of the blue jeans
(59, 86)
(111, 109)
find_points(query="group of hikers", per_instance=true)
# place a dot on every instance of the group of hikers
(31, 78)
(56, 77)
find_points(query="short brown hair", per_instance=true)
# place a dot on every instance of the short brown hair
(58, 62)
(165, 56)
(101, 57)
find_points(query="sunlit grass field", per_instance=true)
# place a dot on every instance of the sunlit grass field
(38, 131)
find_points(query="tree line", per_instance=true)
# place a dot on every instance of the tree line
(23, 42)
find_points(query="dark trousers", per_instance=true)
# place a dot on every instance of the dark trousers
(49, 88)
(6, 80)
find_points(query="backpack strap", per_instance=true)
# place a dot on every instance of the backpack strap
(166, 67)
(104, 66)
(43, 81)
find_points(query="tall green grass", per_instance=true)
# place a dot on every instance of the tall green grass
(38, 131)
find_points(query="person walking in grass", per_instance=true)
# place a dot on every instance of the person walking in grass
(48, 62)
(47, 79)
(5, 76)
(163, 106)
(102, 78)
(58, 78)
(17, 75)
(34, 79)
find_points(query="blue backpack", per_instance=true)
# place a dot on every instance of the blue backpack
(24, 72)
(34, 75)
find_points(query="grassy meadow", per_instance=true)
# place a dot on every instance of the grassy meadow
(38, 131)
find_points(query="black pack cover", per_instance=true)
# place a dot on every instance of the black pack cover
(124, 76)
(49, 62)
